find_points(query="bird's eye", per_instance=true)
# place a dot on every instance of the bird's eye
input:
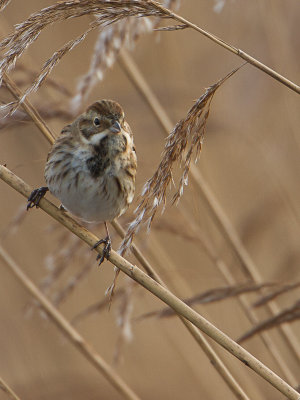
(96, 121)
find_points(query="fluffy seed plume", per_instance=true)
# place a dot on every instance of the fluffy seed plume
(111, 39)
(124, 312)
(211, 296)
(184, 142)
(105, 12)
(275, 293)
(289, 314)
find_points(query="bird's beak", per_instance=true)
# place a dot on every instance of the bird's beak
(116, 127)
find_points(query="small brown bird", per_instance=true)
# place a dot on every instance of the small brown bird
(91, 167)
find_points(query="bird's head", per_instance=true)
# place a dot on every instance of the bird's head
(102, 118)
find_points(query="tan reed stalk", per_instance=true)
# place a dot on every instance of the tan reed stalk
(176, 282)
(249, 267)
(155, 288)
(168, 268)
(245, 303)
(162, 116)
(213, 357)
(107, 13)
(6, 389)
(69, 331)
(200, 339)
(28, 107)
(219, 216)
(3, 4)
(230, 48)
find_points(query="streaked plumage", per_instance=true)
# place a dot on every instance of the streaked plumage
(91, 167)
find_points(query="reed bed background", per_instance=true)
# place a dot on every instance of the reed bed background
(230, 247)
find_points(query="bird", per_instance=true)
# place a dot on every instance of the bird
(91, 167)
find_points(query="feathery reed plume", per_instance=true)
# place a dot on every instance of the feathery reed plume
(275, 293)
(72, 284)
(56, 263)
(124, 312)
(172, 28)
(108, 45)
(210, 296)
(14, 224)
(183, 142)
(30, 74)
(59, 259)
(289, 314)
(45, 71)
(27, 32)
(95, 308)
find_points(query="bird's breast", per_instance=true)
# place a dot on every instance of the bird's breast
(92, 183)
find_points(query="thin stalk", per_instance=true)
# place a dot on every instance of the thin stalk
(243, 300)
(232, 49)
(200, 339)
(72, 335)
(213, 357)
(29, 108)
(250, 269)
(155, 288)
(6, 389)
(226, 228)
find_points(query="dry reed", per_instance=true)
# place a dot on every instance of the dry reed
(183, 143)
(124, 312)
(26, 33)
(7, 390)
(218, 364)
(110, 41)
(289, 314)
(95, 308)
(221, 220)
(75, 338)
(210, 296)
(105, 13)
(275, 293)
(250, 269)
(148, 283)
(3, 4)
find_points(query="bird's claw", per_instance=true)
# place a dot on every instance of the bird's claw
(35, 197)
(106, 250)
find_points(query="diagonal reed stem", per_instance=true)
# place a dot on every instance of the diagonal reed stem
(6, 389)
(75, 338)
(208, 350)
(200, 339)
(155, 288)
(229, 47)
(29, 108)
(251, 271)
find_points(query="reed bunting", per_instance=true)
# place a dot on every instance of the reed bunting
(91, 167)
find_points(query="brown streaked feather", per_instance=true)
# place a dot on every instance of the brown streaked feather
(94, 176)
(107, 108)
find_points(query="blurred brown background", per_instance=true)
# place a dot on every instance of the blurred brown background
(250, 159)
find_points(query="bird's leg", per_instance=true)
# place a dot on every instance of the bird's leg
(107, 247)
(35, 197)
